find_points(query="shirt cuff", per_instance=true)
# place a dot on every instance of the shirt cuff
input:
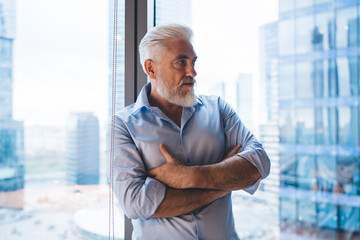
(252, 189)
(154, 192)
(262, 165)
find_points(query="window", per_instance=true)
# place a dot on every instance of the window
(304, 80)
(324, 31)
(303, 4)
(327, 174)
(304, 27)
(286, 5)
(55, 85)
(347, 71)
(346, 27)
(286, 37)
(348, 126)
(287, 126)
(287, 81)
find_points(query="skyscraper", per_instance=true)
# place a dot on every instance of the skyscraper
(82, 149)
(11, 131)
(269, 109)
(318, 78)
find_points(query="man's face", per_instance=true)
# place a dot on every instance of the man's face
(176, 72)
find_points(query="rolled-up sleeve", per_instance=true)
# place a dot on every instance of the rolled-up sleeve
(138, 195)
(252, 150)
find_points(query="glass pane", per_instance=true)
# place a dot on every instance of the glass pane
(327, 216)
(348, 126)
(305, 126)
(325, 126)
(287, 170)
(347, 70)
(304, 28)
(286, 5)
(304, 80)
(327, 174)
(304, 3)
(324, 27)
(287, 126)
(54, 71)
(287, 81)
(286, 37)
(346, 27)
(305, 172)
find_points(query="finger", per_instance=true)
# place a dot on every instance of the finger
(152, 172)
(166, 153)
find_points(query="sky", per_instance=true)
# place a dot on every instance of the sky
(61, 62)
(60, 59)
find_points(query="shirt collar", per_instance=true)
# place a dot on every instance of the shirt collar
(143, 101)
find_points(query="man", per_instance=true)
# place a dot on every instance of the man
(178, 156)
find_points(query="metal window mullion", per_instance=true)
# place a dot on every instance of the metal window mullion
(139, 15)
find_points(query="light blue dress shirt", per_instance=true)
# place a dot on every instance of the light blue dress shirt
(208, 130)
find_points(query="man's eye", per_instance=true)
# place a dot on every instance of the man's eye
(181, 62)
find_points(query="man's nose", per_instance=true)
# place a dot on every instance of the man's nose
(190, 71)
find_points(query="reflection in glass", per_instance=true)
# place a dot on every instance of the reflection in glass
(305, 172)
(307, 213)
(287, 126)
(287, 170)
(324, 22)
(287, 81)
(349, 218)
(326, 173)
(325, 126)
(333, 78)
(286, 37)
(305, 126)
(304, 3)
(347, 73)
(303, 34)
(304, 80)
(346, 27)
(348, 175)
(288, 210)
(348, 126)
(327, 216)
(286, 5)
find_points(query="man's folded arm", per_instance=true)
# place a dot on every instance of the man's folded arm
(178, 201)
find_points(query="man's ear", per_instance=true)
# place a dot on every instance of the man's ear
(150, 68)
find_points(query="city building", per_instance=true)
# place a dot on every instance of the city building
(318, 118)
(11, 131)
(82, 149)
(269, 109)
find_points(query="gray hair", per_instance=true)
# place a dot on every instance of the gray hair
(153, 44)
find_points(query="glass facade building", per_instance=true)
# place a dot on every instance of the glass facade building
(82, 149)
(11, 131)
(318, 118)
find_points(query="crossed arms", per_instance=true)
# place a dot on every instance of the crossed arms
(189, 188)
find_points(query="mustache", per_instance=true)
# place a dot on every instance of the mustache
(187, 80)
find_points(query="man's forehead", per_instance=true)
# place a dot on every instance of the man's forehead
(181, 48)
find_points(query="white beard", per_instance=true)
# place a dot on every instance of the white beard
(175, 95)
